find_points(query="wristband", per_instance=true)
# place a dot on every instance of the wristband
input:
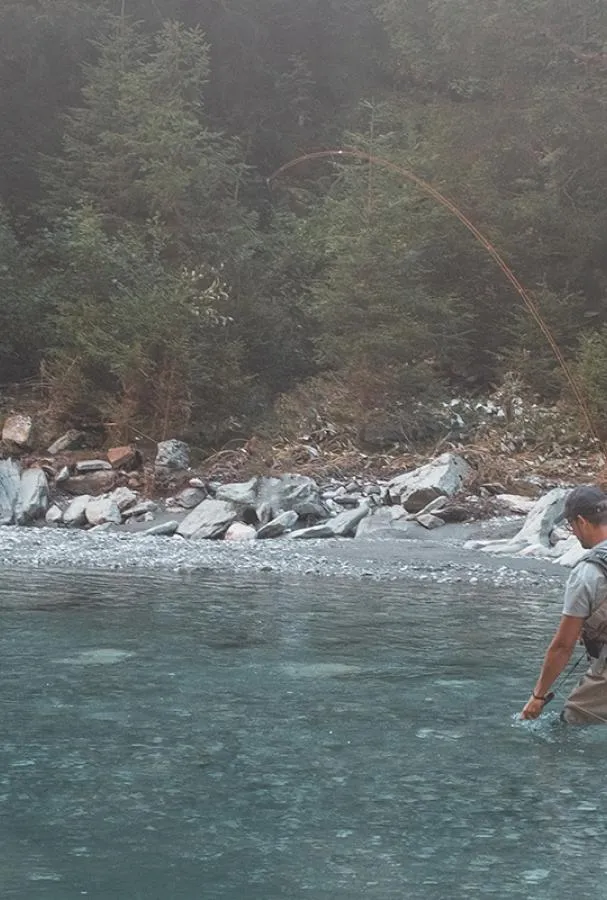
(535, 697)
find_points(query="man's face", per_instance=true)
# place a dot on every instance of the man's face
(580, 528)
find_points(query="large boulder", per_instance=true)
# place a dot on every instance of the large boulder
(444, 476)
(533, 539)
(18, 430)
(32, 502)
(172, 454)
(290, 492)
(210, 519)
(10, 480)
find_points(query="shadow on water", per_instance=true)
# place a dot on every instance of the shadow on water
(270, 738)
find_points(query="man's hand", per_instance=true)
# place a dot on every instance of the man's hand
(533, 708)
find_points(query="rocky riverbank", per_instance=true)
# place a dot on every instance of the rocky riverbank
(117, 491)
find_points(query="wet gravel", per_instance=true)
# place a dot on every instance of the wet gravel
(441, 559)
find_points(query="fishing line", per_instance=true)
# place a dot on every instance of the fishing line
(529, 303)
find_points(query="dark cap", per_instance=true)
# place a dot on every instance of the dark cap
(586, 500)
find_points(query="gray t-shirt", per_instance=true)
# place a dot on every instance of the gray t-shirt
(586, 587)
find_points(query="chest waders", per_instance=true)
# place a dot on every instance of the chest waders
(594, 629)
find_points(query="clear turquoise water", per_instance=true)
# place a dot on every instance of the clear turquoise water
(267, 739)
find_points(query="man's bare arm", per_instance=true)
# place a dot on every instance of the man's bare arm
(556, 658)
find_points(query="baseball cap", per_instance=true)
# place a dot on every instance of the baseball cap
(585, 500)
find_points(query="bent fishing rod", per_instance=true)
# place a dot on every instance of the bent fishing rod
(530, 304)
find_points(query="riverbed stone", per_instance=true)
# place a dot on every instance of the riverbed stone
(101, 510)
(124, 498)
(18, 430)
(54, 515)
(32, 502)
(278, 526)
(238, 531)
(10, 482)
(210, 519)
(445, 476)
(172, 454)
(74, 514)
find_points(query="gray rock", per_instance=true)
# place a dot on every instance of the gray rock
(208, 520)
(10, 479)
(54, 515)
(291, 492)
(32, 502)
(172, 454)
(350, 501)
(197, 483)
(18, 430)
(71, 440)
(533, 539)
(124, 498)
(74, 514)
(445, 475)
(429, 521)
(342, 525)
(433, 507)
(238, 531)
(314, 531)
(345, 523)
(281, 524)
(101, 510)
(242, 493)
(515, 503)
(385, 522)
(62, 475)
(92, 465)
(140, 509)
(165, 528)
(190, 497)
(103, 526)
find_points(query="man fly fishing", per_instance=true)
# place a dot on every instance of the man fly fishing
(584, 616)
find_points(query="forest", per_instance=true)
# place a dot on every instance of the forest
(164, 270)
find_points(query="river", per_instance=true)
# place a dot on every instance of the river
(272, 737)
